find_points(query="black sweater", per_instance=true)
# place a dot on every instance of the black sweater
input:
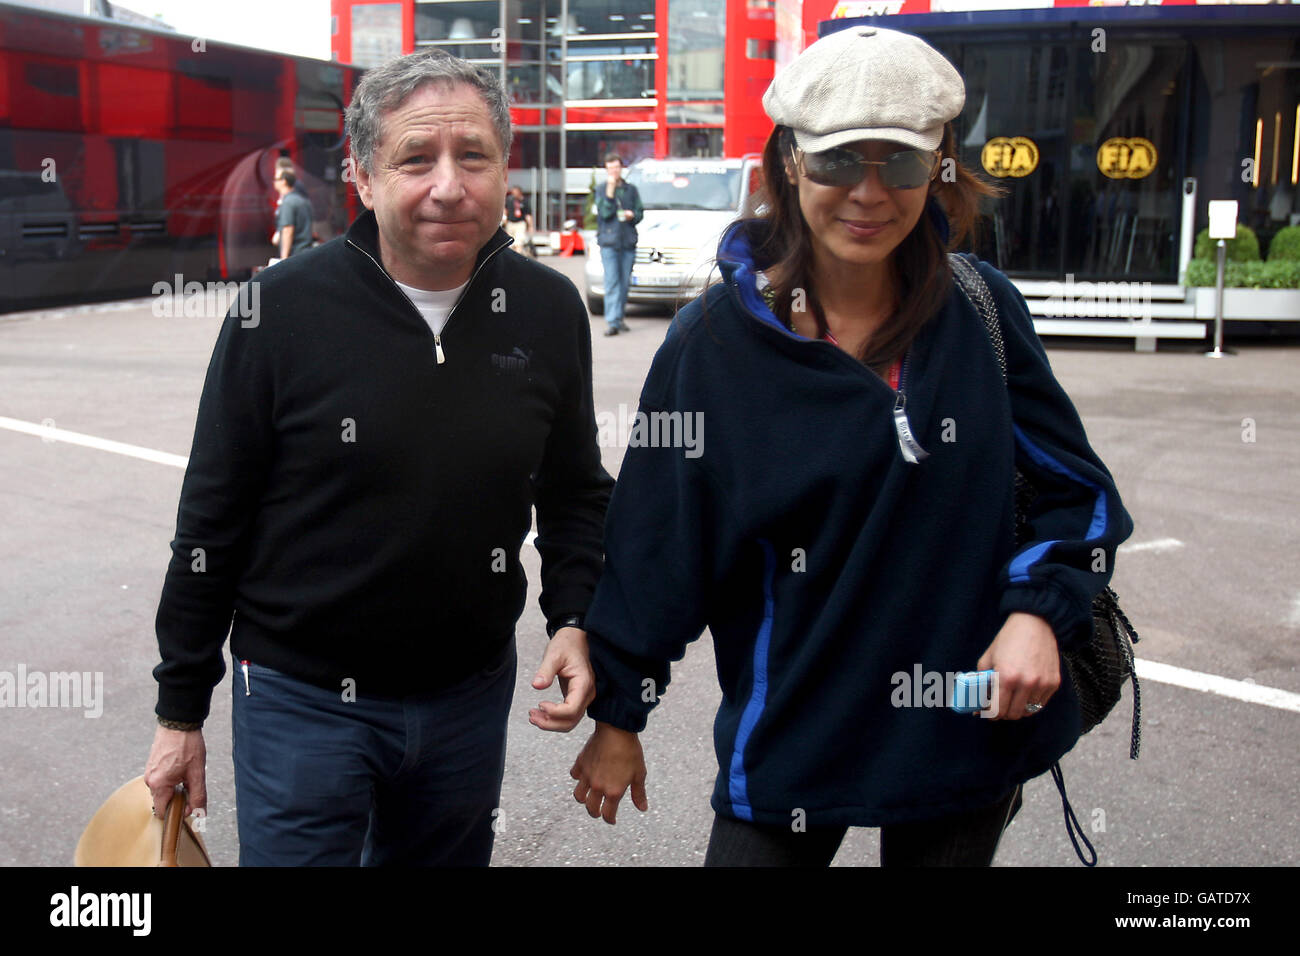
(359, 505)
(839, 581)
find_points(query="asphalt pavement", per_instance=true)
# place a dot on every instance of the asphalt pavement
(1205, 454)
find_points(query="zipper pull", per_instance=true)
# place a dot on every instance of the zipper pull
(248, 691)
(911, 448)
(437, 347)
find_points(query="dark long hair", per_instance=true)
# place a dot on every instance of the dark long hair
(920, 262)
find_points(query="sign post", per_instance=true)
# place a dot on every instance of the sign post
(1223, 226)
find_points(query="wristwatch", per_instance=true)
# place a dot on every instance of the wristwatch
(572, 620)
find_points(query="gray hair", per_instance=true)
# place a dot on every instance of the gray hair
(387, 87)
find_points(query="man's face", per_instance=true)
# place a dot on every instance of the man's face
(614, 169)
(437, 185)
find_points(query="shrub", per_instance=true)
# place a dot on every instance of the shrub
(1244, 248)
(1276, 274)
(1285, 246)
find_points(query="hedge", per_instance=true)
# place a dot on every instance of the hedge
(1274, 274)
(1244, 248)
(1285, 246)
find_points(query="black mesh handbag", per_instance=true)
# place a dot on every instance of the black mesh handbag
(1099, 668)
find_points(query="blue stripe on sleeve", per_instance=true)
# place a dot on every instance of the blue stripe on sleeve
(758, 697)
(1020, 565)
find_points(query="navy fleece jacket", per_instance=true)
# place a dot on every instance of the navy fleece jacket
(832, 573)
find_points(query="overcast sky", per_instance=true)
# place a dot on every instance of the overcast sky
(301, 27)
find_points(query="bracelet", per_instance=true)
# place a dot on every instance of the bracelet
(179, 724)
(573, 620)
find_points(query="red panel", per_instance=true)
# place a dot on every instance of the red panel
(746, 126)
(134, 102)
(341, 42)
(611, 114)
(49, 92)
(661, 78)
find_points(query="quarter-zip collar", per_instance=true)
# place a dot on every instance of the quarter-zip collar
(363, 236)
(740, 271)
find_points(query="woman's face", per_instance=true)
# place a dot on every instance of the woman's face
(861, 224)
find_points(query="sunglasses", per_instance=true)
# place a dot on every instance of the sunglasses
(907, 169)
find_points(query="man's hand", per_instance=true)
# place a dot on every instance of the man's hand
(566, 657)
(610, 762)
(1025, 656)
(177, 756)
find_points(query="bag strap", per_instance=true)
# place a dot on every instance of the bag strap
(1071, 821)
(976, 290)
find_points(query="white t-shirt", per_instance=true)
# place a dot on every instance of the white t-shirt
(434, 306)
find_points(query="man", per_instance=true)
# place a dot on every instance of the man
(519, 220)
(618, 210)
(367, 452)
(292, 215)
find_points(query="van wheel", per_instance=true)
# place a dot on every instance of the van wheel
(595, 304)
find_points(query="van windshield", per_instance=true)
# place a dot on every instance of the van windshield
(685, 185)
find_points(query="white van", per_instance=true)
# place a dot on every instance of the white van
(688, 204)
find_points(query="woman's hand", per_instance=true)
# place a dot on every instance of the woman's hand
(1028, 664)
(610, 762)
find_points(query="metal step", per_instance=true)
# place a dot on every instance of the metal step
(1120, 328)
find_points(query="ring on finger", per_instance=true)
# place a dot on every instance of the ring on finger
(1033, 708)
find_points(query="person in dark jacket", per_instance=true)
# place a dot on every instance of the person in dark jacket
(843, 523)
(371, 443)
(618, 210)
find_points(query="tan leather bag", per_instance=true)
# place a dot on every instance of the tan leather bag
(124, 832)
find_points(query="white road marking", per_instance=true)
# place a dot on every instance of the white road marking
(1160, 544)
(1223, 686)
(50, 433)
(1147, 670)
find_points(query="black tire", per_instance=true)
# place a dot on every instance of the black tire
(595, 304)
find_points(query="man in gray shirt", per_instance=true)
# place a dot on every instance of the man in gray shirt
(292, 215)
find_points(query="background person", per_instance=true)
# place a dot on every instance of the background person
(851, 517)
(519, 221)
(292, 216)
(618, 210)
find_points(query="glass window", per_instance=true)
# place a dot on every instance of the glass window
(679, 185)
(611, 79)
(524, 84)
(1245, 129)
(457, 20)
(1124, 202)
(694, 113)
(1014, 121)
(588, 147)
(376, 33)
(695, 142)
(605, 16)
(697, 34)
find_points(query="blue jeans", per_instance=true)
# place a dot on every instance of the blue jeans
(618, 275)
(324, 781)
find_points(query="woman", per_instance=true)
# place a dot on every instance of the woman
(845, 528)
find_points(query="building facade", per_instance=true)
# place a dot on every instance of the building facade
(587, 77)
(1095, 115)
